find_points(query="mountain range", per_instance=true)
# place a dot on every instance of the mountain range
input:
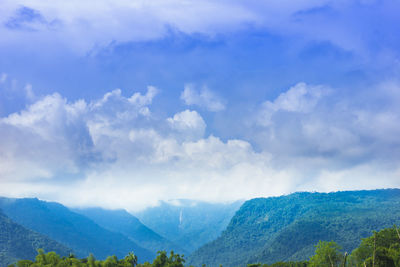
(121, 221)
(189, 223)
(30, 223)
(260, 230)
(73, 230)
(287, 228)
(18, 242)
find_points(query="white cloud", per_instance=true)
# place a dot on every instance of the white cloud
(204, 98)
(111, 154)
(107, 150)
(300, 98)
(144, 100)
(3, 77)
(189, 123)
(30, 95)
(54, 137)
(315, 126)
(84, 26)
(46, 139)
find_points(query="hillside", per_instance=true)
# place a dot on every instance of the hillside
(17, 242)
(189, 223)
(287, 228)
(69, 228)
(120, 221)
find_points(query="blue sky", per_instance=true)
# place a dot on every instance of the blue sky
(123, 103)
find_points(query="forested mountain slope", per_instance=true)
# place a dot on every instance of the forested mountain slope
(189, 223)
(69, 228)
(287, 228)
(120, 221)
(17, 242)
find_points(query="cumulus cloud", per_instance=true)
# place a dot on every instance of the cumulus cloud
(46, 139)
(204, 98)
(299, 98)
(315, 124)
(108, 149)
(59, 138)
(112, 153)
(189, 123)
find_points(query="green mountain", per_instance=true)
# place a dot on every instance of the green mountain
(189, 223)
(120, 221)
(17, 242)
(287, 228)
(71, 229)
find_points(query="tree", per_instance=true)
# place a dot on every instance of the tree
(380, 249)
(174, 260)
(327, 254)
(130, 260)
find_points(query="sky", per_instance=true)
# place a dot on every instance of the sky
(123, 103)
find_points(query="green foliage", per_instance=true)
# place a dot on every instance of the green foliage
(281, 264)
(286, 228)
(120, 221)
(51, 259)
(381, 249)
(174, 260)
(191, 223)
(17, 242)
(74, 230)
(327, 254)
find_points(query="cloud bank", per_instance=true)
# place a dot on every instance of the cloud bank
(115, 152)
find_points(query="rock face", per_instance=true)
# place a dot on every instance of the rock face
(287, 228)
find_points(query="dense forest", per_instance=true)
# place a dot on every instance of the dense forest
(18, 242)
(381, 249)
(189, 223)
(73, 230)
(286, 228)
(274, 231)
(122, 222)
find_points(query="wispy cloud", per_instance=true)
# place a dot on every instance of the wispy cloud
(88, 23)
(205, 98)
(3, 77)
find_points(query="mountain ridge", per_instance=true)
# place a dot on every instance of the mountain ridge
(121, 221)
(18, 242)
(276, 229)
(189, 223)
(69, 228)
